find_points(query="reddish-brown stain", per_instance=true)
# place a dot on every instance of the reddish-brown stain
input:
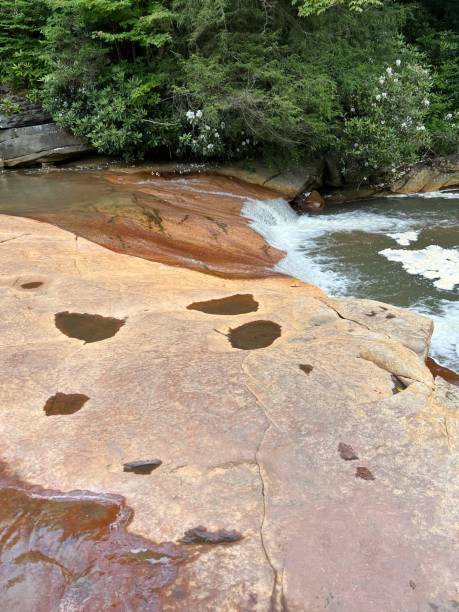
(439, 370)
(74, 551)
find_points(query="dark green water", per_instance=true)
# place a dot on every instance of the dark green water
(347, 251)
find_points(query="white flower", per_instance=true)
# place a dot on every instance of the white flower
(210, 146)
(378, 97)
(398, 62)
(449, 116)
(383, 122)
(352, 109)
(355, 145)
(207, 127)
(190, 115)
(420, 128)
(223, 125)
(217, 135)
(199, 114)
(404, 124)
(382, 80)
(389, 70)
(426, 102)
(384, 94)
(366, 163)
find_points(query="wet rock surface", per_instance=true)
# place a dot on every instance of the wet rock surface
(63, 403)
(193, 222)
(231, 305)
(73, 551)
(254, 335)
(87, 327)
(248, 443)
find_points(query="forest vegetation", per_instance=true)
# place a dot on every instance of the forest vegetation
(372, 83)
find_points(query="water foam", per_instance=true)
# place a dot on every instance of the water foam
(405, 238)
(299, 237)
(434, 263)
(445, 195)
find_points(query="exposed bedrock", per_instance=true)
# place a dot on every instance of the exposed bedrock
(28, 136)
(314, 473)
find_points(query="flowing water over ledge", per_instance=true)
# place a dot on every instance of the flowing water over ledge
(402, 250)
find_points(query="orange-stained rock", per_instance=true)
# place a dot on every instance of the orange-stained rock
(309, 202)
(248, 441)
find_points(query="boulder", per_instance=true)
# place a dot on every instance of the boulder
(431, 175)
(289, 181)
(22, 112)
(34, 144)
(310, 201)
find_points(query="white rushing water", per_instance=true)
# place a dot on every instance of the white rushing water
(310, 242)
(299, 236)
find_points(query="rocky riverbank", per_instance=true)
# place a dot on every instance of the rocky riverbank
(28, 135)
(278, 449)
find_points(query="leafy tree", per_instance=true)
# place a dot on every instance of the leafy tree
(315, 7)
(21, 62)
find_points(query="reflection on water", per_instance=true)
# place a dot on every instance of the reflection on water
(72, 551)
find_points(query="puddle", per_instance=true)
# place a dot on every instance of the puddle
(63, 403)
(306, 368)
(231, 305)
(87, 327)
(73, 550)
(142, 467)
(32, 285)
(254, 335)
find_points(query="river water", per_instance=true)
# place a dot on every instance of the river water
(403, 250)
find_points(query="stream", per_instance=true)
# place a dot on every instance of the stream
(402, 249)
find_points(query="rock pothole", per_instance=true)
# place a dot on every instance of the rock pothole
(254, 335)
(32, 285)
(87, 327)
(63, 403)
(231, 305)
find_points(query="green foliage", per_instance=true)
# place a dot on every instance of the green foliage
(316, 7)
(234, 79)
(385, 127)
(21, 63)
(104, 80)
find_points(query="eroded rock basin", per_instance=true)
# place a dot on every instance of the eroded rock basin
(290, 477)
